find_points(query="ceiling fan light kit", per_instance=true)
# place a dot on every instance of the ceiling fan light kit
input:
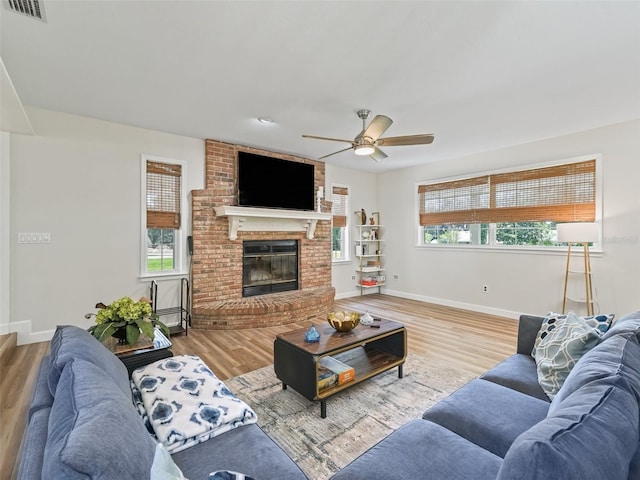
(368, 140)
(364, 149)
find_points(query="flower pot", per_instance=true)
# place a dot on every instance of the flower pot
(121, 335)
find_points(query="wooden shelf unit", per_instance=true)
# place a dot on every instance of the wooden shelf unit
(368, 247)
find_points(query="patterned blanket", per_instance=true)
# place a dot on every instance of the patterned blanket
(186, 403)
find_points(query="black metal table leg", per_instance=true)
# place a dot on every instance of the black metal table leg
(400, 374)
(323, 408)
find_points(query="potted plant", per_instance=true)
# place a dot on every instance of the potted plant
(125, 320)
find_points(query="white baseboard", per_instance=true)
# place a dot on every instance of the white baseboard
(25, 335)
(441, 301)
(452, 303)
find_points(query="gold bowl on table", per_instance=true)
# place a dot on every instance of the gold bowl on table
(343, 320)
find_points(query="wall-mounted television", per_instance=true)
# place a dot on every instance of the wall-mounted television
(269, 182)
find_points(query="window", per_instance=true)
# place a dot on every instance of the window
(162, 217)
(508, 209)
(339, 235)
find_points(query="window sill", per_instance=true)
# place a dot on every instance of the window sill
(593, 252)
(346, 261)
(162, 275)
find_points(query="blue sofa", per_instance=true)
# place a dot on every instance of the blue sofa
(82, 424)
(503, 426)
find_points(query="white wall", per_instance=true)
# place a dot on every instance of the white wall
(5, 214)
(79, 180)
(362, 194)
(520, 282)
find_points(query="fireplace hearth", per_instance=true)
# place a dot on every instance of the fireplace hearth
(269, 266)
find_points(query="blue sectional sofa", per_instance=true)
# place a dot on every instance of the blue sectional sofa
(504, 426)
(82, 424)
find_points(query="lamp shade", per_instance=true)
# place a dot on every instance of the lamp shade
(579, 232)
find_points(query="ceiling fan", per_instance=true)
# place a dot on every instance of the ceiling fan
(368, 140)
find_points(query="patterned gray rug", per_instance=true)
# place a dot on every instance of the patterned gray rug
(357, 418)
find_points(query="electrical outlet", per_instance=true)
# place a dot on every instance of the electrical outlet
(396, 277)
(353, 277)
(34, 237)
(485, 289)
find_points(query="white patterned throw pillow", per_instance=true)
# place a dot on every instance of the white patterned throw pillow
(565, 339)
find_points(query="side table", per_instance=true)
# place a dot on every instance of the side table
(143, 352)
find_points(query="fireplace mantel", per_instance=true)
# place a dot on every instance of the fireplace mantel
(248, 219)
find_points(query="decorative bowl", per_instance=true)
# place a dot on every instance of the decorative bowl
(343, 320)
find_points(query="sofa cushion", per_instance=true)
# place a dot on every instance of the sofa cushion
(629, 323)
(488, 414)
(618, 356)
(33, 443)
(422, 449)
(561, 345)
(239, 450)
(518, 372)
(70, 342)
(41, 397)
(94, 430)
(592, 435)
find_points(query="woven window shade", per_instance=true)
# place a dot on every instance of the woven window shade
(339, 196)
(460, 201)
(163, 195)
(563, 193)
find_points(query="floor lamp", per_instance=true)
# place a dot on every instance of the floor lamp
(581, 233)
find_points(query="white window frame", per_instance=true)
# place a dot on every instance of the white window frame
(596, 248)
(180, 237)
(346, 230)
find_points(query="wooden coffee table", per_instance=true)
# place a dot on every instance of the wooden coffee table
(368, 350)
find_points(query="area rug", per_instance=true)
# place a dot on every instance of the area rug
(357, 418)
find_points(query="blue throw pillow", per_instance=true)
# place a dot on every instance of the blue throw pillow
(616, 356)
(560, 348)
(94, 430)
(593, 435)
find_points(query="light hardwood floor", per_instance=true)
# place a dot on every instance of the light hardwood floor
(466, 340)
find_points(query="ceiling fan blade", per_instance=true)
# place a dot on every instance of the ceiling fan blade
(377, 127)
(339, 151)
(328, 138)
(378, 154)
(406, 140)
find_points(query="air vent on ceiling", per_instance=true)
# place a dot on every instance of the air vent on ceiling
(30, 8)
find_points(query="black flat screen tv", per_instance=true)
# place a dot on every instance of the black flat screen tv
(268, 182)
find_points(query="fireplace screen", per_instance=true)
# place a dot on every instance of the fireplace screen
(269, 266)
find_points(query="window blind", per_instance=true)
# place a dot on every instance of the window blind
(562, 193)
(163, 195)
(339, 196)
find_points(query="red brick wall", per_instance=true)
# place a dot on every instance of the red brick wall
(217, 261)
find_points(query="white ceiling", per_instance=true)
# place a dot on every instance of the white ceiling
(479, 75)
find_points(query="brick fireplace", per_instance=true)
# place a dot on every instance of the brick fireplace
(217, 270)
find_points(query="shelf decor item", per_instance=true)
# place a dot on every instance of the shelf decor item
(125, 319)
(343, 321)
(312, 335)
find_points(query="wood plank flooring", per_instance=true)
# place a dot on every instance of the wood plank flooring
(466, 340)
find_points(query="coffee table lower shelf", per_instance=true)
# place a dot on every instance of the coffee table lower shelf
(298, 368)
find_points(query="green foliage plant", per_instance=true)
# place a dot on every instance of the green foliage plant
(134, 317)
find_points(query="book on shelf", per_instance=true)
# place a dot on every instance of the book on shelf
(326, 379)
(345, 372)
